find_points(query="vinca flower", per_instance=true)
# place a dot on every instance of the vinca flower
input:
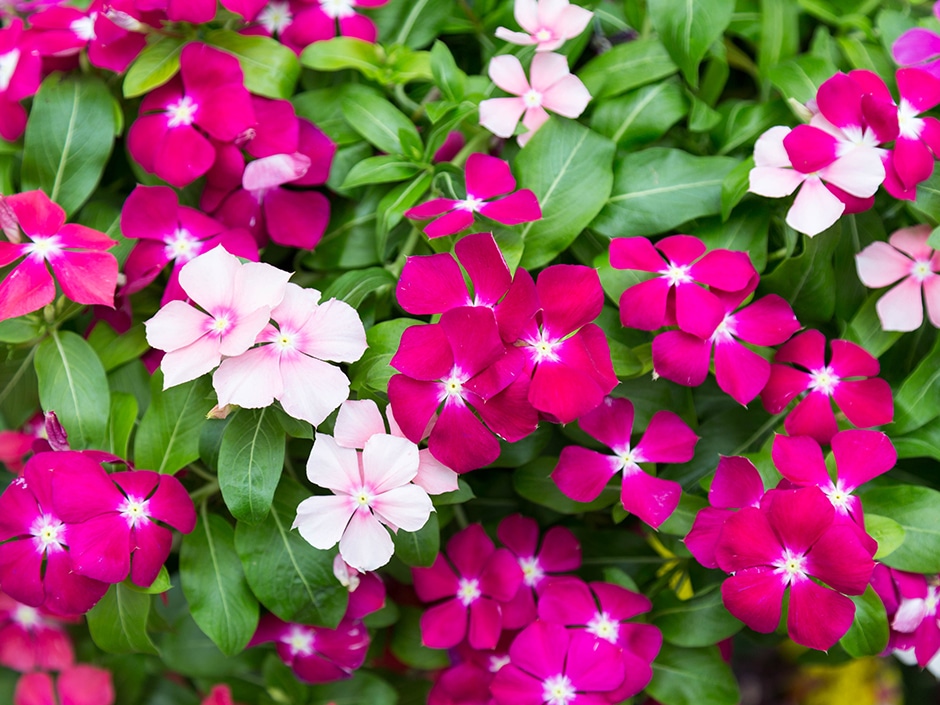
(547, 23)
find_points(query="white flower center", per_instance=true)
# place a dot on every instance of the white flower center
(285, 340)
(725, 330)
(468, 591)
(338, 9)
(532, 98)
(856, 137)
(84, 28)
(497, 662)
(921, 270)
(677, 274)
(44, 247)
(558, 690)
(838, 496)
(630, 460)
(134, 510)
(909, 125)
(452, 386)
(220, 324)
(603, 627)
(182, 112)
(8, 64)
(543, 348)
(181, 245)
(26, 616)
(299, 640)
(276, 17)
(790, 565)
(362, 498)
(532, 572)
(823, 380)
(47, 531)
(543, 35)
(471, 203)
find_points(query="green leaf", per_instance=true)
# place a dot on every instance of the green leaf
(154, 66)
(780, 33)
(322, 108)
(627, 66)
(115, 349)
(214, 584)
(353, 287)
(868, 635)
(372, 371)
(419, 547)
(568, 167)
(380, 170)
(250, 462)
(657, 189)
(363, 687)
(159, 585)
(118, 623)
(22, 329)
(865, 329)
(687, 29)
(744, 121)
(463, 493)
(533, 481)
(918, 399)
(376, 119)
(121, 422)
(270, 68)
(887, 532)
(917, 510)
(343, 53)
(72, 383)
(800, 78)
(692, 677)
(807, 281)
(700, 621)
(407, 646)
(288, 575)
(69, 138)
(450, 79)
(745, 231)
(414, 24)
(922, 443)
(641, 116)
(168, 436)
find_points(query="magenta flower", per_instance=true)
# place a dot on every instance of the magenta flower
(547, 23)
(248, 9)
(907, 258)
(911, 601)
(553, 87)
(470, 594)
(290, 363)
(112, 519)
(36, 564)
(316, 654)
(740, 372)
(602, 610)
(85, 272)
(193, 11)
(19, 79)
(209, 94)
(848, 379)
(463, 684)
(78, 685)
(219, 695)
(919, 47)
(560, 552)
(31, 640)
(790, 539)
(310, 21)
(582, 473)
(238, 299)
(487, 177)
(551, 665)
(168, 232)
(368, 494)
(674, 297)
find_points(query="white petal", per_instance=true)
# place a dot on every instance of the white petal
(190, 362)
(258, 285)
(902, 308)
(251, 380)
(814, 209)
(297, 306)
(507, 73)
(276, 170)
(335, 332)
(312, 388)
(860, 172)
(567, 97)
(357, 421)
(321, 520)
(520, 38)
(209, 279)
(366, 544)
(880, 265)
(774, 182)
(388, 462)
(175, 326)
(405, 507)
(333, 467)
(909, 616)
(433, 476)
(547, 70)
(769, 150)
(501, 115)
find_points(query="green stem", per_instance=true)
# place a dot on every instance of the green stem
(769, 424)
(405, 252)
(460, 516)
(203, 493)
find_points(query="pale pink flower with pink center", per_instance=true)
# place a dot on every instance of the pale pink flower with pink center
(31, 639)
(602, 610)
(371, 491)
(547, 23)
(911, 602)
(908, 259)
(19, 78)
(582, 473)
(289, 364)
(78, 685)
(790, 539)
(359, 420)
(848, 379)
(487, 177)
(237, 299)
(553, 87)
(551, 665)
(469, 587)
(85, 272)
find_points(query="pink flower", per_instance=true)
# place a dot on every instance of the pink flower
(463, 684)
(469, 601)
(194, 11)
(919, 47)
(553, 87)
(551, 665)
(319, 20)
(582, 474)
(31, 640)
(911, 261)
(78, 685)
(367, 496)
(19, 79)
(248, 9)
(85, 272)
(238, 299)
(790, 539)
(865, 402)
(487, 177)
(219, 695)
(289, 364)
(547, 23)
(911, 602)
(112, 519)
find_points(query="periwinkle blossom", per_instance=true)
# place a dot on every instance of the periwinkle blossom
(237, 299)
(469, 587)
(31, 639)
(219, 695)
(86, 273)
(911, 601)
(919, 47)
(848, 379)
(193, 11)
(782, 545)
(582, 474)
(547, 23)
(290, 363)
(487, 178)
(19, 78)
(463, 684)
(80, 684)
(303, 22)
(248, 9)
(908, 259)
(371, 491)
(553, 87)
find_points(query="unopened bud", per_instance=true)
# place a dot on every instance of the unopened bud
(55, 433)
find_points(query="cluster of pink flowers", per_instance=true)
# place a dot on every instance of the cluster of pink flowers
(911, 602)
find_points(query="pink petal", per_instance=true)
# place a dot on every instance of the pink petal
(737, 484)
(566, 600)
(519, 207)
(932, 297)
(814, 209)
(915, 45)
(840, 100)
(434, 477)
(389, 462)
(424, 353)
(366, 544)
(800, 517)
(518, 307)
(681, 357)
(449, 224)
(296, 218)
(807, 349)
(444, 625)
(312, 389)
(818, 617)
(643, 306)
(681, 249)
(182, 156)
(356, 422)
(321, 520)
(100, 548)
(567, 391)
(652, 499)
(501, 576)
(488, 177)
(519, 534)
(740, 372)
(460, 441)
(320, 149)
(36, 213)
(333, 466)
(432, 284)
(435, 582)
(866, 402)
(611, 423)
(800, 460)
(151, 547)
(810, 148)
(507, 73)
(414, 403)
(592, 664)
(541, 649)
(698, 311)
(667, 439)
(747, 540)
(703, 536)
(723, 269)
(434, 207)
(814, 417)
(501, 115)
(176, 326)
(840, 561)
(902, 308)
(87, 277)
(913, 241)
(150, 212)
(470, 550)
(571, 296)
(27, 288)
(852, 360)
(912, 161)
(767, 321)
(880, 265)
(567, 96)
(619, 602)
(486, 624)
(170, 503)
(754, 596)
(635, 253)
(474, 338)
(489, 274)
(512, 685)
(509, 413)
(358, 27)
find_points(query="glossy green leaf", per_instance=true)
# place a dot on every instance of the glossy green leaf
(154, 66)
(800, 78)
(343, 53)
(271, 69)
(407, 646)
(160, 584)
(922, 443)
(779, 33)
(419, 547)
(917, 510)
(627, 66)
(375, 118)
(363, 687)
(641, 116)
(114, 349)
(353, 287)
(807, 281)
(121, 422)
(680, 521)
(868, 635)
(918, 399)
(887, 532)
(692, 677)
(20, 330)
(380, 170)
(168, 436)
(118, 623)
(372, 371)
(322, 108)
(450, 79)
(699, 621)
(251, 458)
(687, 29)
(865, 329)
(414, 24)
(72, 383)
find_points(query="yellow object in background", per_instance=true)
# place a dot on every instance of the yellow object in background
(866, 681)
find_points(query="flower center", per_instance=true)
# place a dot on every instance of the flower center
(497, 662)
(921, 270)
(181, 245)
(558, 690)
(543, 35)
(532, 98)
(468, 591)
(909, 125)
(931, 601)
(838, 496)
(84, 28)
(630, 460)
(221, 323)
(677, 274)
(134, 510)
(8, 64)
(823, 380)
(299, 640)
(44, 247)
(532, 572)
(471, 203)
(452, 386)
(790, 565)
(362, 498)
(725, 331)
(47, 531)
(26, 616)
(182, 112)
(338, 9)
(543, 348)
(603, 627)
(276, 17)
(285, 340)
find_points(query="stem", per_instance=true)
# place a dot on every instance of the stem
(399, 264)
(769, 424)
(460, 516)
(200, 472)
(204, 492)
(407, 103)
